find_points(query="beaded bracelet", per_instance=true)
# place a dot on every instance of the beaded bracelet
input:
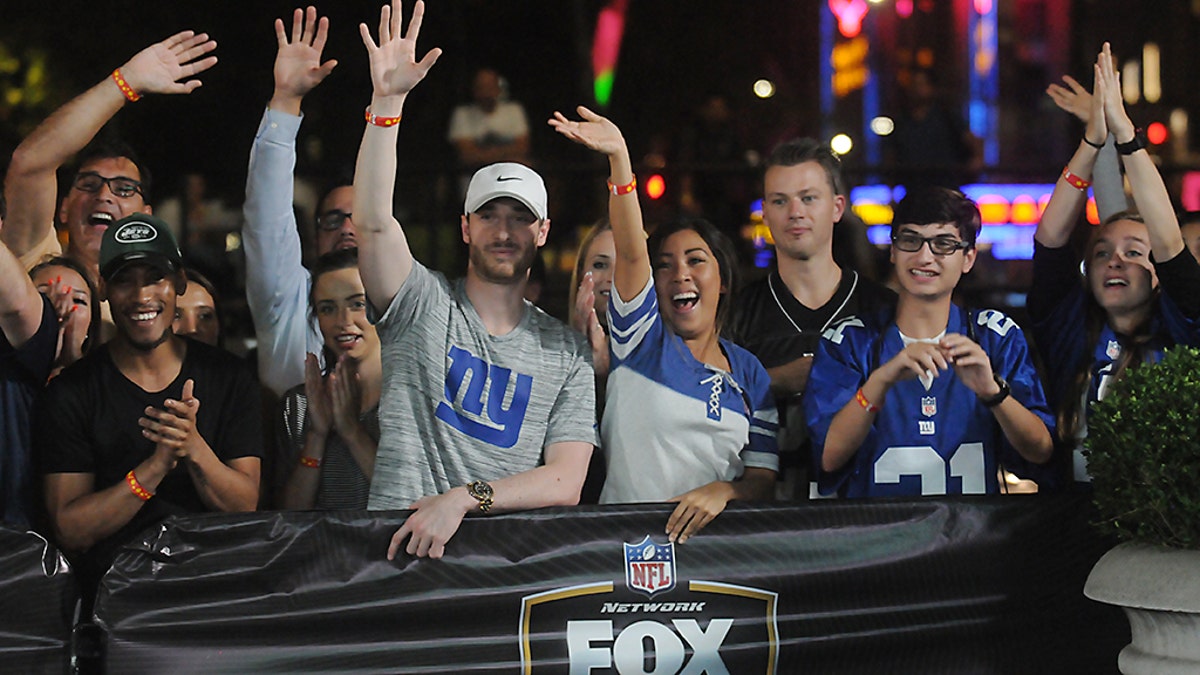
(310, 462)
(136, 488)
(1075, 181)
(862, 400)
(618, 190)
(124, 86)
(378, 121)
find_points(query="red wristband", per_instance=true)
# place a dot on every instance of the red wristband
(124, 86)
(310, 462)
(618, 190)
(136, 488)
(378, 121)
(1075, 181)
(862, 400)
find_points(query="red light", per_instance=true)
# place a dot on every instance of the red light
(849, 15)
(982, 7)
(655, 186)
(1157, 133)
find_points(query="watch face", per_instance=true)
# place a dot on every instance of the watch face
(481, 490)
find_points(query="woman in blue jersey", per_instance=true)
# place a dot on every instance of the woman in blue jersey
(332, 420)
(1129, 308)
(689, 417)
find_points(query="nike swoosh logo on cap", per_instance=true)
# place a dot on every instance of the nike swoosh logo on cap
(504, 178)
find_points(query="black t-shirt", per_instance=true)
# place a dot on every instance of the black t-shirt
(87, 422)
(770, 322)
(23, 372)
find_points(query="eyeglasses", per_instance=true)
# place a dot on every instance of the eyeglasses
(332, 220)
(119, 186)
(940, 245)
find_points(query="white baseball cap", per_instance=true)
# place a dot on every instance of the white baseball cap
(507, 179)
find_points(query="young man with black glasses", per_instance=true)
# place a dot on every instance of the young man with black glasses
(933, 399)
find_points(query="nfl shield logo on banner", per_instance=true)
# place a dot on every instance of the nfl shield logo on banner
(649, 567)
(928, 406)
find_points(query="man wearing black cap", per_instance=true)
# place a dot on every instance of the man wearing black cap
(149, 424)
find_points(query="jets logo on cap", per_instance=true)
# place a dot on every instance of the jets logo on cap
(132, 233)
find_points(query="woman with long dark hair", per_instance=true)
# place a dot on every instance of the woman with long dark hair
(1141, 292)
(689, 417)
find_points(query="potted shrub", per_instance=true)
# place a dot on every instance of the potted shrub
(1143, 451)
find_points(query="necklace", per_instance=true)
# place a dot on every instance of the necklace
(836, 312)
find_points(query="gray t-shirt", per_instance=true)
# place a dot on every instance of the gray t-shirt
(459, 404)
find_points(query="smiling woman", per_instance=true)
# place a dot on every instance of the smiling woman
(1131, 308)
(331, 422)
(689, 417)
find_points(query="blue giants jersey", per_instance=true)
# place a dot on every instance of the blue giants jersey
(925, 441)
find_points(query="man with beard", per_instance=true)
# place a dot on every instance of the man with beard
(149, 424)
(488, 403)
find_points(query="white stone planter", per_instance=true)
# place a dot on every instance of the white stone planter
(1159, 589)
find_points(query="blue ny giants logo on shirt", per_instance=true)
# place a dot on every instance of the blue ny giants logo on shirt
(500, 426)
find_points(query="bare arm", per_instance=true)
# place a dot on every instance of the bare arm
(1024, 430)
(221, 486)
(632, 269)
(81, 516)
(30, 185)
(437, 517)
(850, 426)
(1067, 202)
(384, 257)
(20, 302)
(1147, 186)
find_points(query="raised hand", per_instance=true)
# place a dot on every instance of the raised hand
(319, 409)
(1108, 89)
(394, 66)
(298, 67)
(584, 320)
(593, 131)
(158, 68)
(1073, 98)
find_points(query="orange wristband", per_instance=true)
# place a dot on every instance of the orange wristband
(378, 121)
(866, 405)
(136, 488)
(1075, 181)
(310, 462)
(125, 89)
(618, 190)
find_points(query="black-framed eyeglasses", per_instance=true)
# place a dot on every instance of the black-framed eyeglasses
(945, 244)
(332, 220)
(120, 186)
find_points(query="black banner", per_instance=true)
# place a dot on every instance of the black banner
(37, 601)
(966, 585)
